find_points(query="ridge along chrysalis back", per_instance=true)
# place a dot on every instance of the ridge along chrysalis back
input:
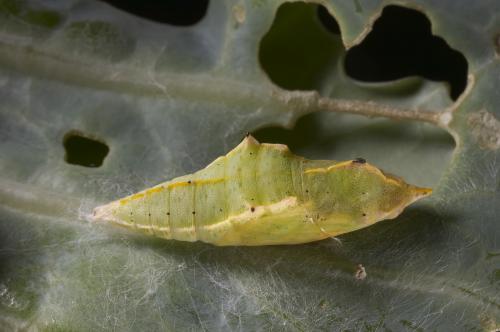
(262, 194)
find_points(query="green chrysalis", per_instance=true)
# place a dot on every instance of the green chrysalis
(262, 194)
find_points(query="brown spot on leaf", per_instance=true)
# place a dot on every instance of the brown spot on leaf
(496, 40)
(239, 14)
(360, 273)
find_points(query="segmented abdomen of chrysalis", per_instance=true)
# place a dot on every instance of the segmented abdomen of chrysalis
(261, 194)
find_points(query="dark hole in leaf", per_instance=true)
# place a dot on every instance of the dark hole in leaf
(298, 49)
(401, 44)
(328, 21)
(84, 151)
(174, 12)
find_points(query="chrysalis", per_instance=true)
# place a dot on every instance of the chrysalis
(262, 194)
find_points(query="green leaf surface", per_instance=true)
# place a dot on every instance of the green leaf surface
(167, 100)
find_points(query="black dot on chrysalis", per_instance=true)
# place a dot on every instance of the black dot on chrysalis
(359, 161)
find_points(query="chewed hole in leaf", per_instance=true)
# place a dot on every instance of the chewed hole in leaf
(298, 48)
(328, 21)
(417, 152)
(83, 150)
(401, 44)
(181, 13)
